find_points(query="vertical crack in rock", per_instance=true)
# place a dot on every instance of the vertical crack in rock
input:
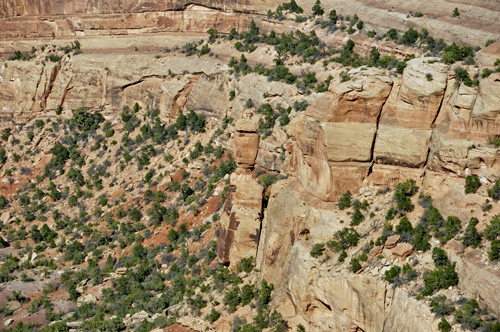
(53, 76)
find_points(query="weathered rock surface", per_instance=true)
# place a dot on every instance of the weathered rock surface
(477, 24)
(402, 250)
(5, 218)
(246, 142)
(240, 220)
(392, 241)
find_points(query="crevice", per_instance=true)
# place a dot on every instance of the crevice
(52, 79)
(66, 90)
(433, 124)
(372, 149)
(184, 92)
(139, 81)
(262, 211)
(36, 88)
(440, 106)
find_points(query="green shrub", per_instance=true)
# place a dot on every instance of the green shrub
(402, 195)
(495, 191)
(432, 217)
(392, 273)
(86, 121)
(267, 180)
(400, 66)
(232, 299)
(381, 240)
(213, 316)
(471, 237)
(354, 265)
(292, 7)
(245, 265)
(492, 231)
(342, 256)
(440, 307)
(3, 156)
(265, 293)
(472, 184)
(72, 200)
(317, 250)
(344, 239)
(494, 252)
(469, 315)
(204, 49)
(345, 201)
(453, 52)
(440, 278)
(451, 228)
(404, 226)
(3, 202)
(439, 256)
(444, 326)
(420, 238)
(60, 154)
(357, 217)
(317, 9)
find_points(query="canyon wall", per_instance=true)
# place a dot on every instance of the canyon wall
(478, 21)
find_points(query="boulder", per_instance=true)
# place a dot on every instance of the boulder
(5, 218)
(8, 322)
(89, 298)
(246, 125)
(13, 305)
(74, 324)
(402, 250)
(392, 241)
(375, 251)
(140, 316)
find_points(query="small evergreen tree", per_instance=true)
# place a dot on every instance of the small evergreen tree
(317, 9)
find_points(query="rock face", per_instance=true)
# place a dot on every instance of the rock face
(324, 295)
(246, 143)
(110, 82)
(23, 18)
(378, 130)
(240, 220)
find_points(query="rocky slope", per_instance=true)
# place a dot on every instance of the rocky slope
(159, 197)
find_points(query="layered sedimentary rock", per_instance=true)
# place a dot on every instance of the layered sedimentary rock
(246, 143)
(110, 82)
(478, 21)
(380, 130)
(319, 291)
(240, 221)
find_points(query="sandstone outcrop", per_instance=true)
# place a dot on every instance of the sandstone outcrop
(402, 250)
(392, 241)
(69, 18)
(246, 141)
(240, 221)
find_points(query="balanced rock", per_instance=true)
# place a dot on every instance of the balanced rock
(246, 141)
